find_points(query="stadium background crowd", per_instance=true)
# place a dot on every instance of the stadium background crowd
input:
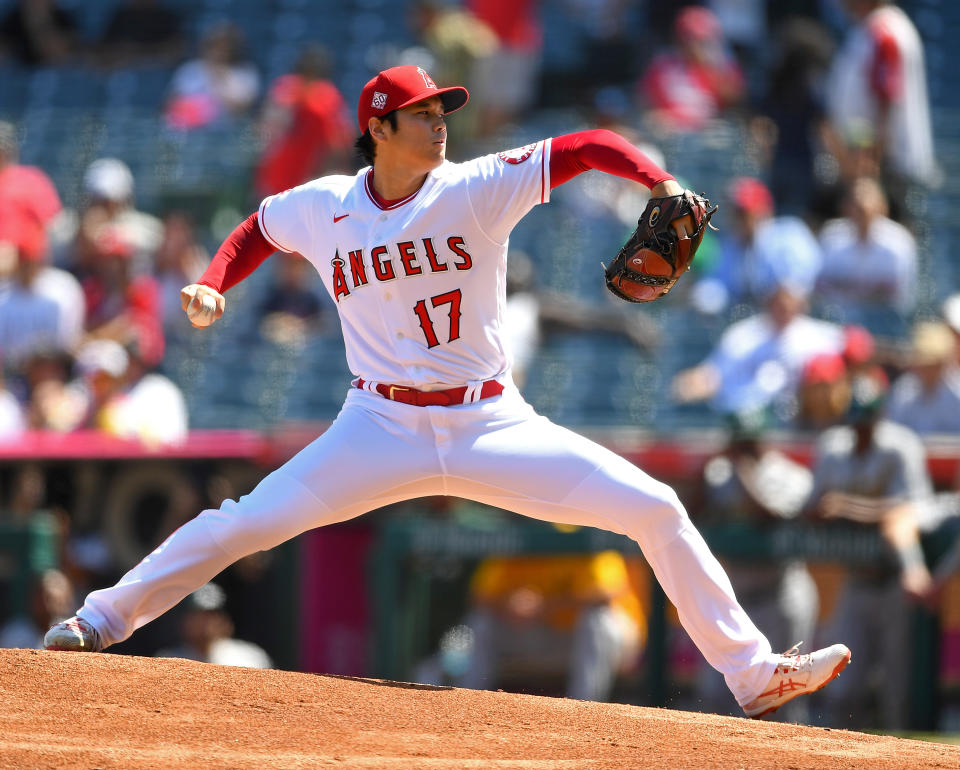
(135, 134)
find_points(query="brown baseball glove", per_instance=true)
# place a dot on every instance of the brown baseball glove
(654, 257)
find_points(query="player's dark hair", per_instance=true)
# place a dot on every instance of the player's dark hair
(365, 146)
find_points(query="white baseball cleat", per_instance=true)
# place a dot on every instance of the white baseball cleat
(73, 635)
(799, 675)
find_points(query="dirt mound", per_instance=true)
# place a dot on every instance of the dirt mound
(114, 711)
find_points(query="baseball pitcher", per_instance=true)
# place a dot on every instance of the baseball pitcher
(413, 252)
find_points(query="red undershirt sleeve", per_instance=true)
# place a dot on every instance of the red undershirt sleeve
(605, 151)
(240, 254)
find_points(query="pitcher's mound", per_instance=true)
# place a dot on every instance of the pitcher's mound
(112, 711)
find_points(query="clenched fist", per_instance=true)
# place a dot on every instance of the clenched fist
(202, 304)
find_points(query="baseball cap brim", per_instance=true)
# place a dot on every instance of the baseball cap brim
(452, 97)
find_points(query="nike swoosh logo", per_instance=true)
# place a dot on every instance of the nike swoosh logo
(338, 218)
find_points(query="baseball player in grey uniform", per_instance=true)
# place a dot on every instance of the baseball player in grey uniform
(412, 250)
(870, 465)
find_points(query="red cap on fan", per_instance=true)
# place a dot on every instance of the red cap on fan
(24, 233)
(400, 87)
(751, 195)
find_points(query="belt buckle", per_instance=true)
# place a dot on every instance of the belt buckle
(391, 389)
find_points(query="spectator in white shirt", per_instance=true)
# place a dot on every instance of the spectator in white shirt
(869, 260)
(207, 633)
(758, 361)
(877, 93)
(215, 87)
(40, 305)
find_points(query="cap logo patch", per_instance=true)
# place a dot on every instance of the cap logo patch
(379, 100)
(427, 80)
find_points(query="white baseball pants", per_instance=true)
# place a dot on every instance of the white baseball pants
(497, 451)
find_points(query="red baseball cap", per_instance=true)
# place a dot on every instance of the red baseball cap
(824, 367)
(751, 195)
(858, 344)
(25, 233)
(400, 87)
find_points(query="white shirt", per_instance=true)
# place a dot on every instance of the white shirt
(156, 410)
(420, 287)
(757, 363)
(47, 314)
(237, 84)
(851, 103)
(879, 270)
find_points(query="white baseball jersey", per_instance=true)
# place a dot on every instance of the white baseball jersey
(420, 286)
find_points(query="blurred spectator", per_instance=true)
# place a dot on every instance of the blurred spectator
(793, 115)
(40, 306)
(179, 260)
(102, 366)
(155, 408)
(506, 83)
(207, 633)
(54, 402)
(877, 98)
(123, 398)
(760, 252)
(291, 309)
(51, 599)
(122, 306)
(305, 124)
(825, 383)
(861, 470)
(530, 313)
(108, 215)
(573, 615)
(216, 87)
(25, 190)
(749, 482)
(38, 33)
(142, 32)
(456, 41)
(869, 260)
(694, 81)
(824, 392)
(758, 361)
(927, 397)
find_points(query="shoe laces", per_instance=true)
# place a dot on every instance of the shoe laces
(791, 660)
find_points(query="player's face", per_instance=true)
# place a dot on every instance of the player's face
(421, 136)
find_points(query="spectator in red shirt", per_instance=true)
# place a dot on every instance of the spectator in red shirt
(306, 125)
(694, 81)
(122, 306)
